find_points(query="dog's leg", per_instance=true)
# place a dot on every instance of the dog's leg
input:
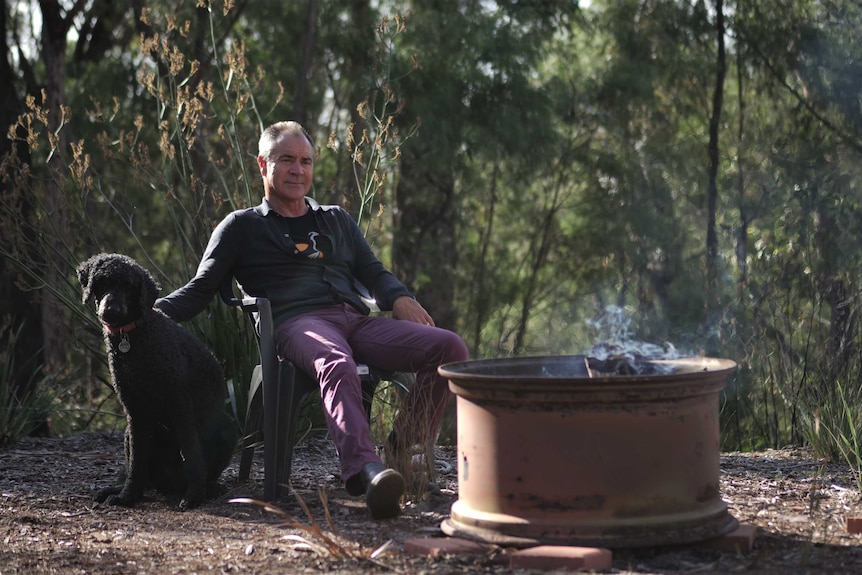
(137, 442)
(219, 444)
(103, 494)
(194, 465)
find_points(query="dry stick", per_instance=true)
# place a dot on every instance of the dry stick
(587, 365)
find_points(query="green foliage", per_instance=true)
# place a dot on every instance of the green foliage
(833, 422)
(560, 167)
(181, 158)
(162, 168)
(22, 408)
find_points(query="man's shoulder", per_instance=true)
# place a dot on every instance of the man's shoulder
(236, 221)
(245, 214)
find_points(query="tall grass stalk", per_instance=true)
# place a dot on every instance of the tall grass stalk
(375, 145)
(835, 425)
(180, 160)
(20, 412)
(183, 157)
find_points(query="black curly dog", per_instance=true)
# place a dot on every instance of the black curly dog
(179, 436)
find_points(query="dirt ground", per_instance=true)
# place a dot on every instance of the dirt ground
(50, 524)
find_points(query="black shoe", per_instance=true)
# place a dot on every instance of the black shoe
(383, 490)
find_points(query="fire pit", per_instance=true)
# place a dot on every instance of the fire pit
(571, 450)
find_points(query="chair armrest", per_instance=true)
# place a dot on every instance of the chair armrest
(246, 304)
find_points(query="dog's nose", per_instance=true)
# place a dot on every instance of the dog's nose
(111, 309)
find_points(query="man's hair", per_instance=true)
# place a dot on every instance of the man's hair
(272, 133)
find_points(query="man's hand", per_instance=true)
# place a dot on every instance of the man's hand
(409, 309)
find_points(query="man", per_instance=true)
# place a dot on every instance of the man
(305, 257)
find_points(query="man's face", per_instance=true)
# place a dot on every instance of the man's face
(288, 171)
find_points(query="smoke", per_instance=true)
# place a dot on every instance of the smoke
(616, 349)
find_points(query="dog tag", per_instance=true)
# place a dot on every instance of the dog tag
(124, 345)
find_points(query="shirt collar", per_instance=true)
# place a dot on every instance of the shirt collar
(264, 208)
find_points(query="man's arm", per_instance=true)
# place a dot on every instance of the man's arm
(215, 267)
(384, 287)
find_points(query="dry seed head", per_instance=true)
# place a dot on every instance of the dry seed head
(80, 167)
(149, 45)
(389, 92)
(351, 142)
(236, 59)
(165, 140)
(384, 25)
(205, 91)
(176, 61)
(172, 25)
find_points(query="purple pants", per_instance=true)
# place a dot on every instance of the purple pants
(329, 342)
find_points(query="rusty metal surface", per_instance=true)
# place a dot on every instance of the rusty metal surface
(548, 454)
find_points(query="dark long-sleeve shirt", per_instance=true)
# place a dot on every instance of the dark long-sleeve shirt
(252, 246)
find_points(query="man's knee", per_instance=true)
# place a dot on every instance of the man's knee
(452, 347)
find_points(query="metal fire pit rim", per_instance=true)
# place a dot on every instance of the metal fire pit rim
(699, 367)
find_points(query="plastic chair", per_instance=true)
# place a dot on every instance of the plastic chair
(276, 394)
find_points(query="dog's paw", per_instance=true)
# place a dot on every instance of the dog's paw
(215, 490)
(192, 498)
(186, 503)
(103, 494)
(120, 500)
(117, 496)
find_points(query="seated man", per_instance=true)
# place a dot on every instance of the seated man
(304, 257)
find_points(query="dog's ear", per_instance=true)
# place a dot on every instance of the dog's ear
(83, 271)
(150, 289)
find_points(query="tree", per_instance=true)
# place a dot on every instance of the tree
(474, 97)
(18, 308)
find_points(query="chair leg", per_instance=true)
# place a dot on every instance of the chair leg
(252, 432)
(284, 413)
(276, 407)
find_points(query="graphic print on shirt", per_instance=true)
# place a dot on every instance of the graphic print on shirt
(315, 248)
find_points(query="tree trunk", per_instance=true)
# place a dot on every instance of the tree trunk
(425, 253)
(17, 306)
(362, 41)
(300, 95)
(714, 126)
(479, 296)
(538, 258)
(55, 27)
(741, 247)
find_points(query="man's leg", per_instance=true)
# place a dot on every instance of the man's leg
(315, 342)
(397, 345)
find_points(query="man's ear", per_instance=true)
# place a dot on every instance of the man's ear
(261, 164)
